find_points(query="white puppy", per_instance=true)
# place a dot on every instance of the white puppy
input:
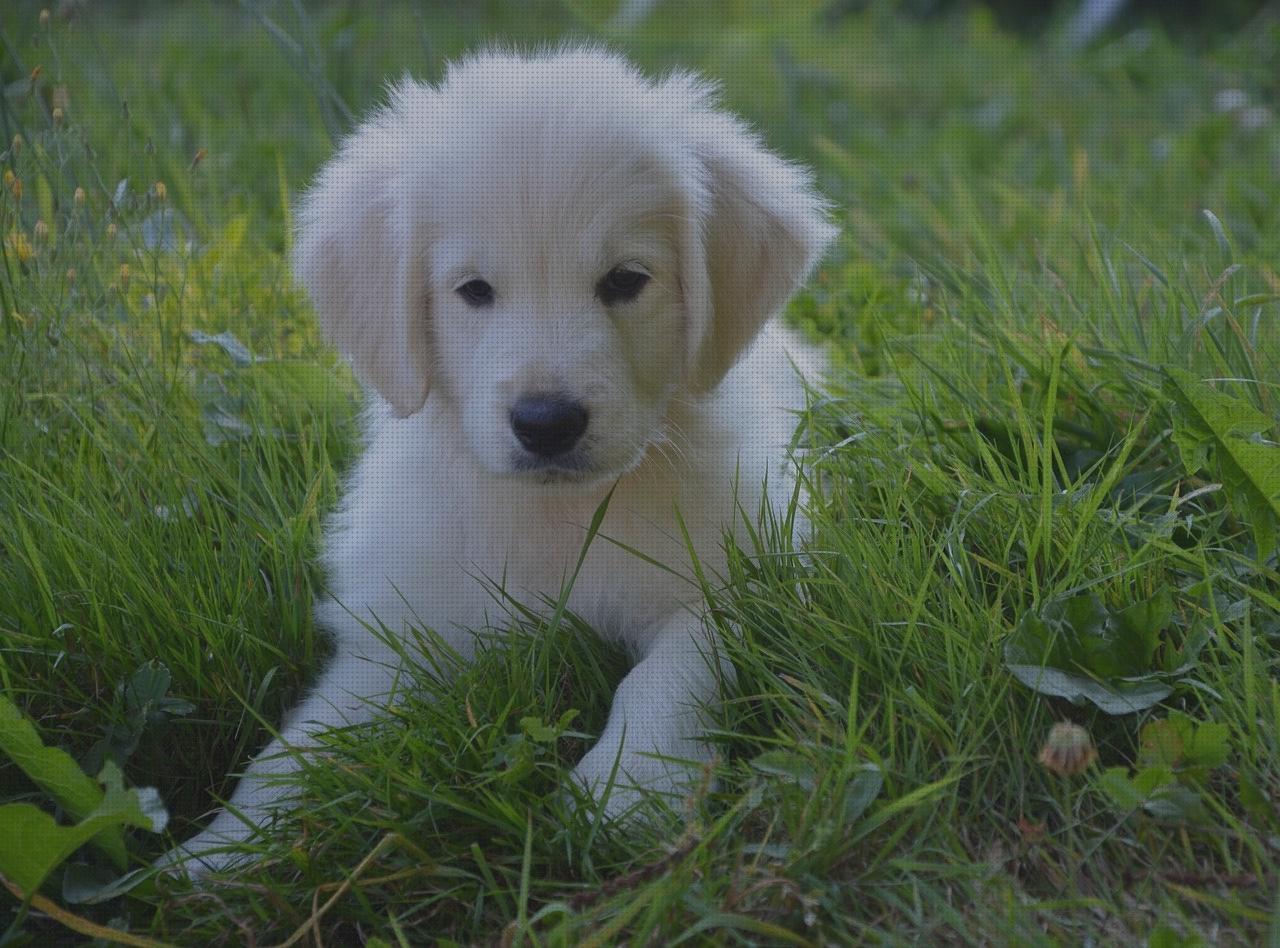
(547, 266)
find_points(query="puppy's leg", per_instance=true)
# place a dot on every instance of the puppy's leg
(654, 733)
(350, 691)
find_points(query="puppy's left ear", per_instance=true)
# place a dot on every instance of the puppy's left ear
(763, 228)
(358, 252)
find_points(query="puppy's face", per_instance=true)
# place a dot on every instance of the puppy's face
(559, 248)
(557, 313)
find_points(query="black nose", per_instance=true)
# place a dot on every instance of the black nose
(547, 425)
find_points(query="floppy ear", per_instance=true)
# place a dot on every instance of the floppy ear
(360, 255)
(763, 228)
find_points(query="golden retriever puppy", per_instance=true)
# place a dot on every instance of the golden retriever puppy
(556, 273)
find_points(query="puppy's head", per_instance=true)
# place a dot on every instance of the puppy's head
(558, 247)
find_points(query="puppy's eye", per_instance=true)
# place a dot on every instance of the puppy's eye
(476, 292)
(621, 285)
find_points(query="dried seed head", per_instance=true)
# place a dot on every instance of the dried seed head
(14, 183)
(124, 276)
(71, 274)
(57, 116)
(160, 191)
(17, 145)
(9, 178)
(79, 197)
(111, 231)
(1068, 750)
(44, 17)
(41, 231)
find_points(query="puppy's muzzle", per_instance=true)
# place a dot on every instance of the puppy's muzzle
(548, 425)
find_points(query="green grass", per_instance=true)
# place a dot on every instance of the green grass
(1027, 263)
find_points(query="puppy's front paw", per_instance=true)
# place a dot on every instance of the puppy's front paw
(201, 862)
(628, 785)
(216, 850)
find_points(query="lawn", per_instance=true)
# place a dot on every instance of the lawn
(1045, 490)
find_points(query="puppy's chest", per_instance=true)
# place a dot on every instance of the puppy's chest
(540, 549)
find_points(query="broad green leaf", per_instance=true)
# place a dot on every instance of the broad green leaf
(1208, 747)
(1120, 697)
(33, 843)
(1141, 624)
(1208, 424)
(1176, 753)
(1150, 779)
(1080, 634)
(1163, 743)
(538, 730)
(148, 689)
(91, 885)
(1076, 648)
(51, 769)
(1153, 789)
(862, 790)
(782, 763)
(145, 704)
(1175, 801)
(1114, 782)
(56, 773)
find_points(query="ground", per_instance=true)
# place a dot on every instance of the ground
(1046, 487)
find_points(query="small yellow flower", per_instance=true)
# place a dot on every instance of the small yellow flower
(57, 116)
(79, 197)
(9, 178)
(44, 17)
(1068, 751)
(41, 231)
(19, 246)
(160, 191)
(124, 276)
(111, 231)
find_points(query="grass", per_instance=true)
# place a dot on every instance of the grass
(1036, 245)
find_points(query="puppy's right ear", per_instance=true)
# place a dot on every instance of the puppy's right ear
(360, 254)
(761, 228)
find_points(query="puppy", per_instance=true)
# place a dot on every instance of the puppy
(548, 267)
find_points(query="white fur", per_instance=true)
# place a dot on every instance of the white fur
(539, 173)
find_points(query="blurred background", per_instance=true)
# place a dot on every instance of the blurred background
(890, 99)
(924, 118)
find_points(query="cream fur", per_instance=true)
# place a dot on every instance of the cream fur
(539, 173)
